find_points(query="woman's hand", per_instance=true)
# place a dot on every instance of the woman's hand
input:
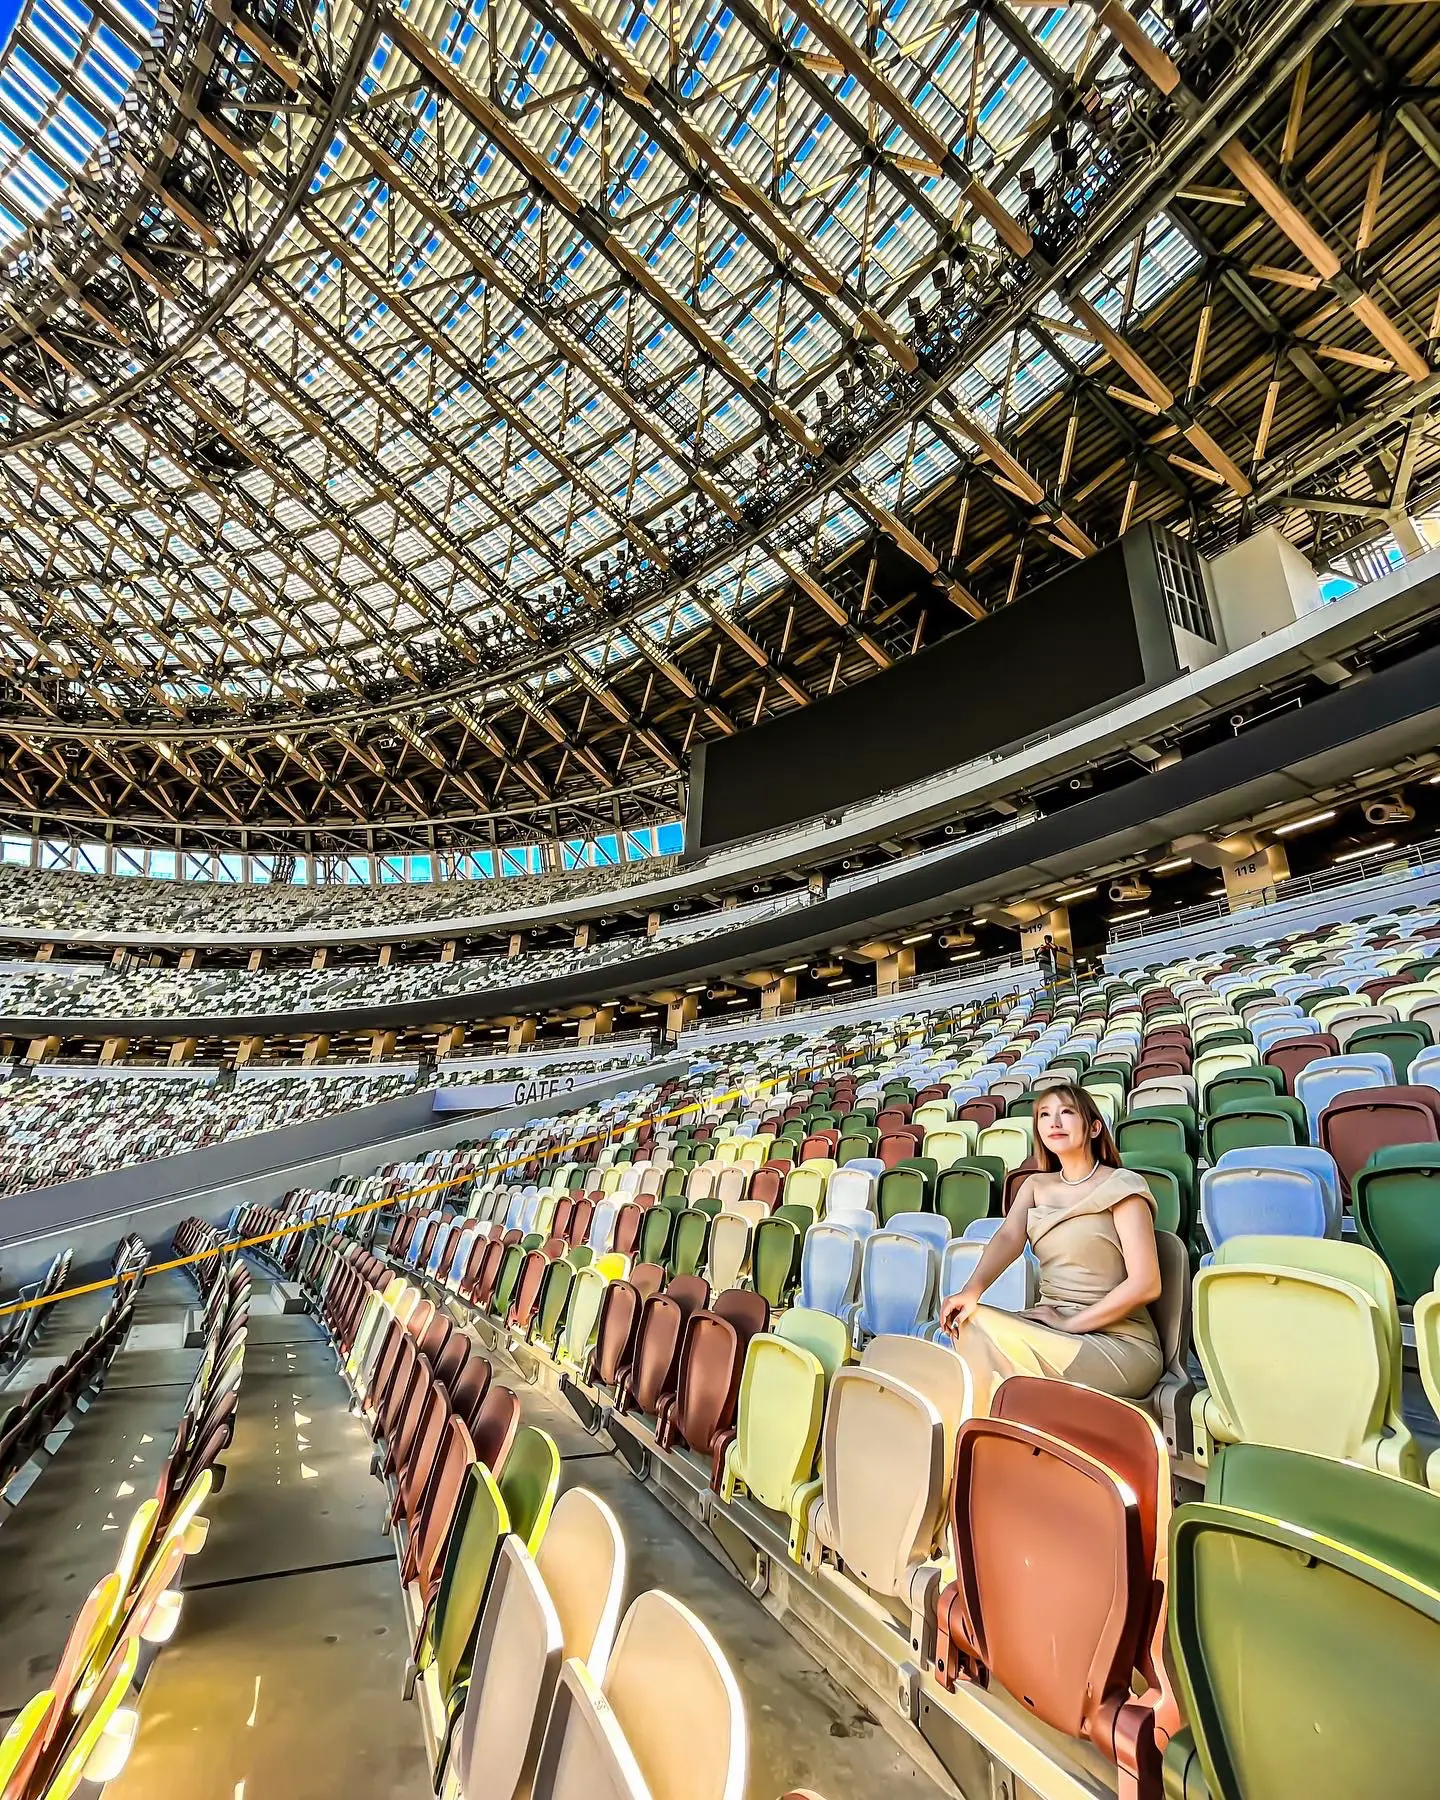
(958, 1310)
(1049, 1315)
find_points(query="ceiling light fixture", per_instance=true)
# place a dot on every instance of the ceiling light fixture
(1175, 862)
(965, 956)
(919, 937)
(1076, 894)
(1138, 912)
(1368, 850)
(1320, 818)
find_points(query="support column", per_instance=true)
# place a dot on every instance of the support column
(448, 949)
(257, 958)
(682, 1011)
(517, 943)
(1250, 880)
(114, 1050)
(652, 924)
(450, 1042)
(182, 1051)
(44, 1049)
(386, 951)
(779, 993)
(599, 1025)
(522, 1033)
(891, 970)
(316, 1049)
(584, 935)
(249, 1050)
(189, 958)
(382, 1045)
(44, 953)
(320, 958)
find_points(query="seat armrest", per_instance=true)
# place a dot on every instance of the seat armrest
(802, 1504)
(1182, 1775)
(720, 1446)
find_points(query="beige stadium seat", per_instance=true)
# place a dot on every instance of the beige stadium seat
(519, 1648)
(582, 1562)
(933, 1369)
(949, 1142)
(729, 1250)
(700, 1183)
(584, 1755)
(878, 1508)
(677, 1703)
(732, 1186)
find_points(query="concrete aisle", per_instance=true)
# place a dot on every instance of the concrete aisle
(283, 1681)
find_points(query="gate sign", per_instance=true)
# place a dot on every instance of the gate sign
(490, 1096)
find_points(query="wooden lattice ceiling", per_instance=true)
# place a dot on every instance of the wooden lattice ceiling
(426, 422)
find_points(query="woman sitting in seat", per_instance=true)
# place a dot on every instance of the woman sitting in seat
(1091, 1223)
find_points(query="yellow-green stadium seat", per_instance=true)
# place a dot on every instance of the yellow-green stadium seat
(1299, 1339)
(780, 1409)
(1011, 1140)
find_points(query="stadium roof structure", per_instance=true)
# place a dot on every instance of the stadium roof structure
(419, 423)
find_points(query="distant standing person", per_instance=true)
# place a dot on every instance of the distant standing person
(1046, 958)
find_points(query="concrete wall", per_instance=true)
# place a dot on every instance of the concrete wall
(93, 1214)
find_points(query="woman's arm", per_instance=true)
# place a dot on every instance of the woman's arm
(1135, 1228)
(996, 1258)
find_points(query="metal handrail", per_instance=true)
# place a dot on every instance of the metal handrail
(1404, 863)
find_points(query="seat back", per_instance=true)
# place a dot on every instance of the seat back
(1054, 1589)
(519, 1648)
(829, 1268)
(663, 1320)
(529, 1483)
(676, 1701)
(898, 1277)
(1124, 1439)
(615, 1329)
(481, 1525)
(1013, 1289)
(1397, 1213)
(584, 1755)
(1236, 1201)
(1327, 1077)
(1355, 1125)
(933, 1369)
(778, 1416)
(1326, 1629)
(582, 1561)
(587, 1295)
(883, 1478)
(729, 1250)
(1300, 1344)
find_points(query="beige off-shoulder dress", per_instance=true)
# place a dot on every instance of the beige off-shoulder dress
(1081, 1261)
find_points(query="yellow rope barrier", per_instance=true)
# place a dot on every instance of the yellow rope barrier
(753, 1089)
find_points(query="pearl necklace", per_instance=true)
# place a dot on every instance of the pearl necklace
(1075, 1180)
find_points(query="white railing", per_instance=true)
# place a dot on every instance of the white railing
(1403, 864)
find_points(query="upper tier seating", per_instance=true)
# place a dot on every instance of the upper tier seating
(92, 992)
(63, 900)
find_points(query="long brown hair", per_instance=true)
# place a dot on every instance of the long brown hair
(1101, 1142)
